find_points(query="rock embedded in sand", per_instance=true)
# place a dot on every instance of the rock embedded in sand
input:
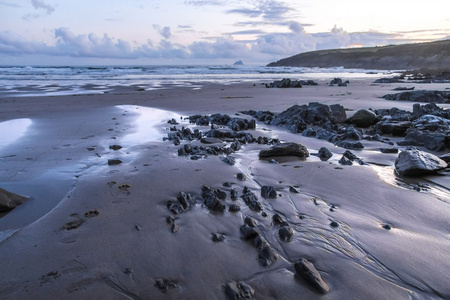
(363, 118)
(413, 162)
(286, 149)
(294, 189)
(113, 162)
(9, 201)
(268, 192)
(324, 154)
(306, 270)
(229, 160)
(251, 200)
(286, 233)
(238, 290)
(164, 285)
(115, 147)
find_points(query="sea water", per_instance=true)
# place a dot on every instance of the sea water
(72, 80)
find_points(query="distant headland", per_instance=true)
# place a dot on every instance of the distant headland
(431, 55)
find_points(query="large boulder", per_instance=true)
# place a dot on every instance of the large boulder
(9, 201)
(363, 118)
(286, 149)
(413, 162)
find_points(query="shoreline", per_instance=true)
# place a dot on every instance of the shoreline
(108, 234)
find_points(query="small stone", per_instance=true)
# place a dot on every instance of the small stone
(286, 233)
(334, 224)
(218, 237)
(248, 233)
(241, 176)
(250, 222)
(229, 160)
(324, 154)
(174, 228)
(266, 256)
(113, 162)
(387, 226)
(170, 220)
(234, 208)
(278, 220)
(115, 147)
(226, 184)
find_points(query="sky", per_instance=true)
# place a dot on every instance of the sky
(136, 32)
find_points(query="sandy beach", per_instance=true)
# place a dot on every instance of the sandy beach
(97, 224)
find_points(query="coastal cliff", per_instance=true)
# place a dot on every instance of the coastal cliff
(432, 55)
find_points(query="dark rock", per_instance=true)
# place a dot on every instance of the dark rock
(170, 220)
(429, 109)
(113, 162)
(239, 290)
(403, 88)
(268, 192)
(306, 270)
(227, 184)
(387, 226)
(286, 233)
(234, 208)
(286, 149)
(324, 154)
(351, 133)
(250, 222)
(218, 237)
(211, 140)
(389, 150)
(175, 207)
(339, 82)
(445, 157)
(309, 132)
(338, 113)
(266, 256)
(9, 201)
(434, 141)
(115, 147)
(396, 128)
(278, 220)
(185, 200)
(284, 83)
(294, 189)
(334, 224)
(420, 96)
(234, 194)
(251, 200)
(213, 204)
(413, 162)
(388, 80)
(174, 228)
(363, 118)
(323, 134)
(241, 176)
(248, 233)
(345, 161)
(164, 285)
(229, 160)
(350, 145)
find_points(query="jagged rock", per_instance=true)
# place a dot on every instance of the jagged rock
(234, 208)
(396, 128)
(185, 200)
(229, 160)
(429, 109)
(268, 192)
(286, 233)
(284, 83)
(309, 132)
(351, 133)
(345, 161)
(250, 222)
(434, 141)
(234, 194)
(323, 134)
(363, 118)
(286, 149)
(338, 113)
(324, 154)
(432, 123)
(278, 220)
(213, 204)
(251, 200)
(164, 285)
(306, 270)
(9, 201)
(239, 290)
(175, 207)
(266, 256)
(420, 96)
(413, 162)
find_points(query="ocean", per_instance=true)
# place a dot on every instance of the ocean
(72, 80)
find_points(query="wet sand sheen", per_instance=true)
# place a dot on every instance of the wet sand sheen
(111, 235)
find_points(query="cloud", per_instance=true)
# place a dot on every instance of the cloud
(10, 4)
(39, 4)
(267, 47)
(244, 32)
(164, 32)
(268, 10)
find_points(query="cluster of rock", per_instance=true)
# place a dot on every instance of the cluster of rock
(427, 125)
(288, 83)
(339, 82)
(420, 96)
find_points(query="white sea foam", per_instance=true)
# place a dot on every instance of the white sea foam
(35, 80)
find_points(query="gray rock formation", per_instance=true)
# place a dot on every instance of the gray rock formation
(413, 162)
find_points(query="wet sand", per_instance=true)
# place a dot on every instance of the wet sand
(94, 231)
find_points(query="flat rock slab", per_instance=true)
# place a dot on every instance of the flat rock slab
(413, 162)
(286, 149)
(306, 270)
